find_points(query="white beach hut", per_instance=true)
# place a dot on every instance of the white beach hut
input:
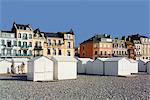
(142, 65)
(40, 69)
(117, 66)
(18, 62)
(148, 67)
(5, 66)
(81, 65)
(89, 67)
(65, 67)
(133, 66)
(98, 66)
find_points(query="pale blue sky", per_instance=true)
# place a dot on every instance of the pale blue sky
(85, 17)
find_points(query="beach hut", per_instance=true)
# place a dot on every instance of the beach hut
(89, 67)
(142, 65)
(5, 66)
(65, 67)
(133, 66)
(98, 66)
(18, 63)
(81, 65)
(40, 69)
(148, 67)
(117, 66)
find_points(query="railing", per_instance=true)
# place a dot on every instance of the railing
(38, 48)
(23, 54)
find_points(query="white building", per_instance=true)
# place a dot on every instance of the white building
(138, 48)
(65, 68)
(40, 69)
(23, 35)
(98, 66)
(148, 67)
(89, 67)
(82, 64)
(119, 66)
(5, 66)
(7, 44)
(142, 65)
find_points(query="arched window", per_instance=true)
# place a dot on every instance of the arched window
(19, 35)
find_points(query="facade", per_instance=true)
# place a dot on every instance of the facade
(142, 46)
(119, 48)
(130, 50)
(97, 46)
(23, 35)
(40, 68)
(7, 44)
(39, 43)
(145, 47)
(60, 44)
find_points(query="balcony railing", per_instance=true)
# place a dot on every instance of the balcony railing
(23, 54)
(38, 48)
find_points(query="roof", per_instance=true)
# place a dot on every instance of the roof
(7, 31)
(64, 59)
(97, 38)
(37, 57)
(57, 35)
(115, 59)
(133, 61)
(102, 59)
(84, 59)
(22, 26)
(143, 60)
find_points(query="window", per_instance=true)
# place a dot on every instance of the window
(8, 43)
(54, 51)
(36, 43)
(8, 51)
(104, 45)
(101, 52)
(30, 44)
(69, 45)
(30, 52)
(83, 47)
(19, 43)
(54, 42)
(68, 53)
(119, 52)
(95, 52)
(3, 51)
(100, 45)
(15, 43)
(108, 52)
(19, 35)
(30, 36)
(19, 52)
(25, 44)
(49, 42)
(49, 51)
(105, 53)
(108, 46)
(83, 54)
(59, 52)
(3, 42)
(24, 36)
(40, 44)
(59, 42)
(15, 52)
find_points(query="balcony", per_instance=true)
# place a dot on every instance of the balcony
(38, 48)
(23, 54)
(24, 47)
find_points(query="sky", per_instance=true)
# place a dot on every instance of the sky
(85, 17)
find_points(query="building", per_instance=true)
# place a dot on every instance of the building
(77, 51)
(119, 48)
(142, 46)
(39, 43)
(23, 35)
(131, 50)
(145, 47)
(7, 44)
(60, 43)
(97, 46)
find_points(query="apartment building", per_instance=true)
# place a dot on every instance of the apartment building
(39, 43)
(8, 44)
(60, 43)
(23, 35)
(97, 46)
(142, 46)
(119, 48)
